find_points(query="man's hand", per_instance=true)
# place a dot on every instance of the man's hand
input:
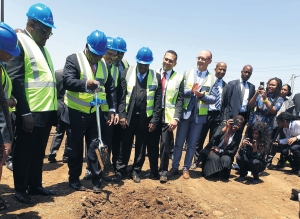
(123, 123)
(116, 120)
(91, 84)
(173, 125)
(151, 127)
(111, 118)
(292, 140)
(27, 123)
(199, 94)
(11, 103)
(195, 88)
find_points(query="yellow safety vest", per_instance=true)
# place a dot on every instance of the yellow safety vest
(40, 81)
(171, 94)
(7, 85)
(81, 100)
(115, 75)
(210, 80)
(125, 63)
(152, 85)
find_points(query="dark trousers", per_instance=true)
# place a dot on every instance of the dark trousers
(126, 146)
(57, 139)
(153, 148)
(28, 156)
(211, 125)
(75, 135)
(254, 165)
(167, 141)
(116, 143)
(13, 122)
(295, 150)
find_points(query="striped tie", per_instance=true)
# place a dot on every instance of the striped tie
(216, 93)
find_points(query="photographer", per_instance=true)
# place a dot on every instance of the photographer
(254, 150)
(291, 129)
(218, 155)
(267, 102)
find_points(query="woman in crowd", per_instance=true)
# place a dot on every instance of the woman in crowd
(218, 155)
(254, 150)
(291, 129)
(8, 48)
(267, 103)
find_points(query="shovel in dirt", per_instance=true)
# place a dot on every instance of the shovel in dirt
(102, 150)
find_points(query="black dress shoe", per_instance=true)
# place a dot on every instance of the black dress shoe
(153, 176)
(40, 191)
(65, 160)
(23, 198)
(77, 186)
(9, 165)
(97, 189)
(136, 179)
(88, 176)
(52, 160)
(172, 172)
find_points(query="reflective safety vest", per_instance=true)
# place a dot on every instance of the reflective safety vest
(171, 94)
(189, 82)
(81, 100)
(114, 71)
(40, 81)
(125, 63)
(152, 85)
(7, 85)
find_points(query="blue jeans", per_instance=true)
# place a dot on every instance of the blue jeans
(190, 131)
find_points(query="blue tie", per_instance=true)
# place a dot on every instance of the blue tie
(216, 93)
(140, 77)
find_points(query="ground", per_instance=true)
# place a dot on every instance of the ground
(178, 198)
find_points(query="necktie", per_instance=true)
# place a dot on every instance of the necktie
(163, 82)
(140, 77)
(94, 69)
(217, 95)
(243, 89)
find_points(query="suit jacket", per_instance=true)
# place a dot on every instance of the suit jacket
(230, 149)
(179, 101)
(60, 91)
(144, 121)
(16, 70)
(72, 82)
(296, 100)
(233, 99)
(193, 106)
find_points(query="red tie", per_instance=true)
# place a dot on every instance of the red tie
(163, 82)
(94, 69)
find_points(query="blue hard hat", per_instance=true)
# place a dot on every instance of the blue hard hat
(8, 40)
(111, 44)
(97, 42)
(144, 56)
(41, 13)
(121, 44)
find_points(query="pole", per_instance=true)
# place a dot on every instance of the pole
(2, 10)
(292, 82)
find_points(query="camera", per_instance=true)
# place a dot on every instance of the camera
(261, 85)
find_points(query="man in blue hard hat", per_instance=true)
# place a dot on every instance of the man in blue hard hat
(8, 48)
(84, 74)
(33, 79)
(139, 111)
(119, 61)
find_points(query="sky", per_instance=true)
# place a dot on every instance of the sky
(264, 34)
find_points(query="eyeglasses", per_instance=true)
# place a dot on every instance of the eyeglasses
(44, 32)
(199, 58)
(120, 53)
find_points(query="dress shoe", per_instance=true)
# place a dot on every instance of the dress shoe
(163, 179)
(77, 186)
(185, 174)
(255, 181)
(136, 179)
(173, 172)
(40, 191)
(97, 189)
(241, 178)
(280, 165)
(294, 195)
(23, 198)
(117, 178)
(9, 165)
(52, 160)
(88, 176)
(65, 160)
(153, 176)
(194, 166)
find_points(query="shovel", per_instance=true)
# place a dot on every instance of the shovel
(102, 150)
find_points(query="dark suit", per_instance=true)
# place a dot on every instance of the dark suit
(214, 118)
(296, 100)
(161, 132)
(81, 124)
(213, 162)
(30, 147)
(137, 123)
(61, 125)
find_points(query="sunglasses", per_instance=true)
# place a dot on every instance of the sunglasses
(44, 32)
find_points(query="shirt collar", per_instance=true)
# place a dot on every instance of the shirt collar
(242, 80)
(168, 72)
(201, 72)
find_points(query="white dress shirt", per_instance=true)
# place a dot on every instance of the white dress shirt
(292, 131)
(200, 77)
(246, 96)
(166, 84)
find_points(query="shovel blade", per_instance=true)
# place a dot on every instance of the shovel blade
(104, 161)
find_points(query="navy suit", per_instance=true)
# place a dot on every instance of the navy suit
(189, 127)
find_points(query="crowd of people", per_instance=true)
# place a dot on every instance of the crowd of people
(139, 106)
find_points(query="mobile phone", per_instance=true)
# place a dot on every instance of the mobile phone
(236, 122)
(261, 85)
(205, 89)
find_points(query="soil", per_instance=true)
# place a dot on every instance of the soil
(178, 198)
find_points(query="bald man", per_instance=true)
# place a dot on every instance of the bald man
(197, 97)
(214, 117)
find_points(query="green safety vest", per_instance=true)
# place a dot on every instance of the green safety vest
(152, 85)
(125, 63)
(81, 100)
(202, 106)
(115, 75)
(40, 81)
(7, 85)
(171, 94)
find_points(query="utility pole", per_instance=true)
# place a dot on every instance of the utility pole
(2, 10)
(293, 82)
